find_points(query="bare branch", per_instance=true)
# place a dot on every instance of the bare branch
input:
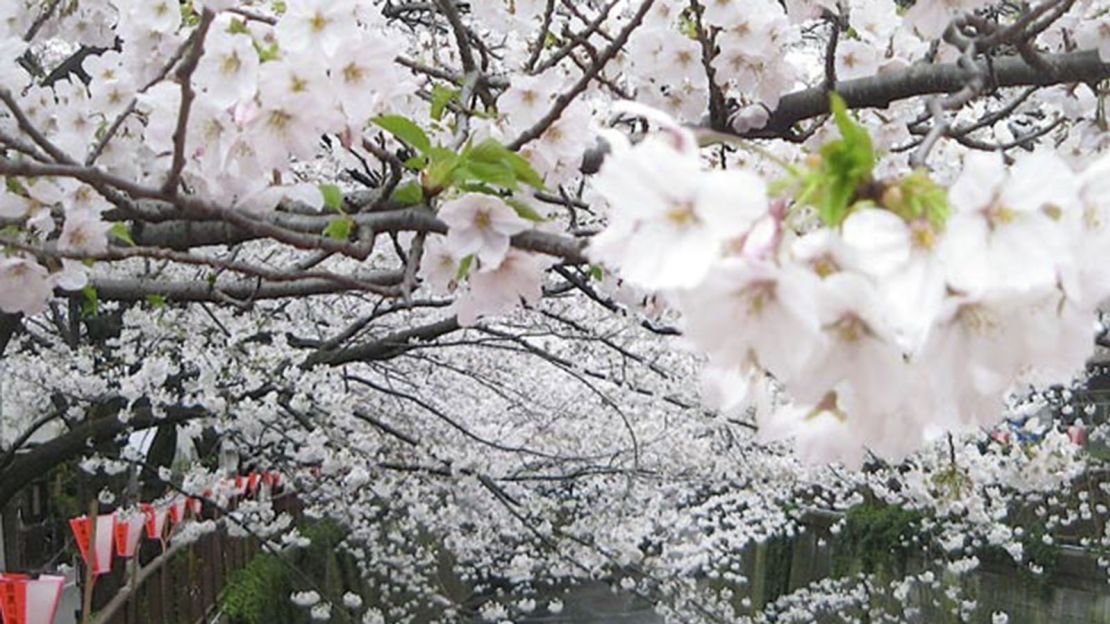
(881, 91)
(184, 76)
(564, 99)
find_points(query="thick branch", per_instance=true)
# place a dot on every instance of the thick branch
(73, 444)
(183, 235)
(138, 289)
(386, 348)
(881, 91)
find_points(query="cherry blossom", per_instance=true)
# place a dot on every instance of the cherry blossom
(671, 220)
(536, 293)
(24, 285)
(480, 225)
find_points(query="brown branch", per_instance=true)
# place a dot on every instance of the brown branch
(41, 20)
(462, 38)
(139, 288)
(110, 133)
(387, 347)
(184, 76)
(591, 27)
(564, 99)
(74, 443)
(923, 79)
(224, 264)
(541, 37)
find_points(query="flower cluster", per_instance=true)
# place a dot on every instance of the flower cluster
(890, 310)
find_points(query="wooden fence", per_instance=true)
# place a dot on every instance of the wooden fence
(182, 586)
(185, 588)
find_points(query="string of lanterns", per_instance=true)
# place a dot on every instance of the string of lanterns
(34, 600)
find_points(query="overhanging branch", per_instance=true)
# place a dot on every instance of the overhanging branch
(880, 91)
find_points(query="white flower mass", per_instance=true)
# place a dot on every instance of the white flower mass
(530, 296)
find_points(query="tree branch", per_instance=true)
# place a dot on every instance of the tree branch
(881, 91)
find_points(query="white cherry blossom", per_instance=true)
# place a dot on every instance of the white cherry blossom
(480, 225)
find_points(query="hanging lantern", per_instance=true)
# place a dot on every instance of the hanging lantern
(252, 482)
(101, 562)
(24, 600)
(1077, 433)
(155, 520)
(177, 509)
(129, 530)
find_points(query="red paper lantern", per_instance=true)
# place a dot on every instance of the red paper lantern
(129, 530)
(252, 482)
(177, 509)
(155, 520)
(101, 561)
(24, 600)
(1077, 433)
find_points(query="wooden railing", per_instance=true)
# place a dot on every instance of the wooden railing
(182, 585)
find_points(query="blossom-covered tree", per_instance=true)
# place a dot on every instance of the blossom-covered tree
(580, 289)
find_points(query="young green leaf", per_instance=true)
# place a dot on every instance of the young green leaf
(339, 228)
(156, 301)
(524, 211)
(490, 151)
(495, 173)
(409, 194)
(438, 174)
(122, 232)
(15, 186)
(333, 197)
(524, 171)
(464, 267)
(90, 303)
(416, 163)
(406, 130)
(845, 164)
(441, 97)
(238, 27)
(268, 53)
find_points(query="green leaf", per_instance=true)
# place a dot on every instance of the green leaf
(15, 186)
(441, 97)
(524, 171)
(856, 140)
(524, 211)
(480, 187)
(339, 229)
(437, 153)
(189, 14)
(406, 130)
(333, 197)
(409, 194)
(238, 27)
(122, 232)
(845, 164)
(91, 302)
(490, 151)
(495, 173)
(438, 174)
(156, 301)
(268, 53)
(596, 273)
(464, 268)
(416, 163)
